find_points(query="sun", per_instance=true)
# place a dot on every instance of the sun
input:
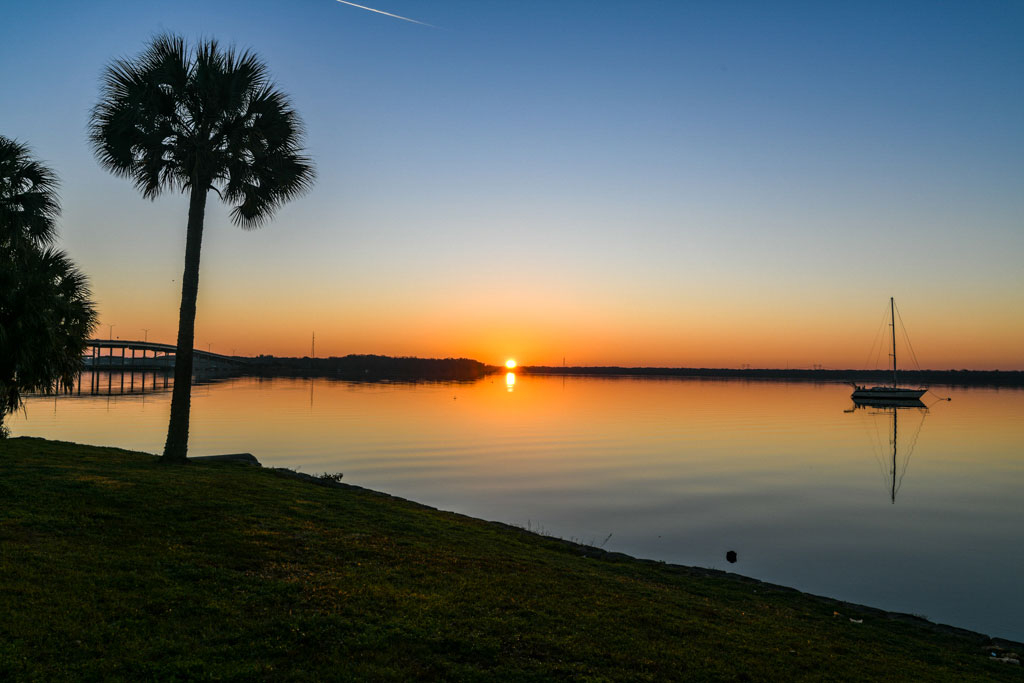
(510, 363)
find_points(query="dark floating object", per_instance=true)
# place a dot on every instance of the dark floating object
(731, 556)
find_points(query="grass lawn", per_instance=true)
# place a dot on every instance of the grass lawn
(113, 566)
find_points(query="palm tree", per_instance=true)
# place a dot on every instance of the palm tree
(46, 315)
(28, 197)
(194, 120)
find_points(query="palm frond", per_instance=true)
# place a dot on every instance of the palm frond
(46, 320)
(137, 123)
(29, 203)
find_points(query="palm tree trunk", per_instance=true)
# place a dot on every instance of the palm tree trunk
(176, 447)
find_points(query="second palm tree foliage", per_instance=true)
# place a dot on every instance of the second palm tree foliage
(195, 119)
(46, 314)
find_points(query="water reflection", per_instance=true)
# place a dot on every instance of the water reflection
(510, 380)
(897, 467)
(116, 383)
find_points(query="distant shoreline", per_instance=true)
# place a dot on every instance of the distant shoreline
(366, 367)
(995, 378)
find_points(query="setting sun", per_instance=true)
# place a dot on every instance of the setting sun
(510, 364)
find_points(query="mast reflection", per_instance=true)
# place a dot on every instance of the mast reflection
(897, 470)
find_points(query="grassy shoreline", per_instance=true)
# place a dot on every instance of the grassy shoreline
(116, 567)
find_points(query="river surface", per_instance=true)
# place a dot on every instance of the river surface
(804, 489)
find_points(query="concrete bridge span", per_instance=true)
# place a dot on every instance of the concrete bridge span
(124, 354)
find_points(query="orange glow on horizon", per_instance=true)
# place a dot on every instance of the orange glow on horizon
(695, 334)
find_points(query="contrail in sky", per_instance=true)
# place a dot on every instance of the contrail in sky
(387, 14)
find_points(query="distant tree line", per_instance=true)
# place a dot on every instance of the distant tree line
(373, 367)
(949, 377)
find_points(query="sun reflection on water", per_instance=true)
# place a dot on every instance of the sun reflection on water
(510, 380)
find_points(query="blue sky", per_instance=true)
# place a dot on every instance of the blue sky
(536, 176)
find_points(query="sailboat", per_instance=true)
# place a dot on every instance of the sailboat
(895, 393)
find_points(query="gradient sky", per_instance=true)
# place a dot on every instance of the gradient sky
(634, 183)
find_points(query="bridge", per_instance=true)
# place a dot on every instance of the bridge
(117, 356)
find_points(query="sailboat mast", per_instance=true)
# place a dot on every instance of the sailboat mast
(892, 318)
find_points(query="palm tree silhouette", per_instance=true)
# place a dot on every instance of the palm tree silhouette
(28, 197)
(194, 120)
(46, 315)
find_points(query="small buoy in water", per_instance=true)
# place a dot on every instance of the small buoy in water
(731, 556)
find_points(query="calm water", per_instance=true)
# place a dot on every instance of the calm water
(676, 470)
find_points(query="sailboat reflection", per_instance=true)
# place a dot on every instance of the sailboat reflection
(897, 469)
